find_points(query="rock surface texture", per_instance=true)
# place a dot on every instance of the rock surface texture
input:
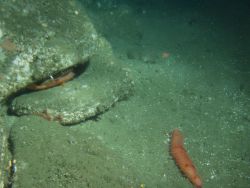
(42, 40)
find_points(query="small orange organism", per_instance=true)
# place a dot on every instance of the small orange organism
(52, 82)
(182, 159)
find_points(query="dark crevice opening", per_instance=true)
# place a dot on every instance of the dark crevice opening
(78, 70)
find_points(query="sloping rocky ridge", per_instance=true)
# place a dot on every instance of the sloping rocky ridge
(39, 39)
(98, 88)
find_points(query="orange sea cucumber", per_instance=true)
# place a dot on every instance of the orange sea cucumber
(52, 83)
(182, 159)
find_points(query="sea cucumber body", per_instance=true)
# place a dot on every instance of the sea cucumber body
(52, 83)
(182, 159)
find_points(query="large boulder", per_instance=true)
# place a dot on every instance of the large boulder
(40, 39)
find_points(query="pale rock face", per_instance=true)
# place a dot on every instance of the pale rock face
(42, 51)
(50, 42)
(46, 43)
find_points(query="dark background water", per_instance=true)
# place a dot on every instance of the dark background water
(232, 16)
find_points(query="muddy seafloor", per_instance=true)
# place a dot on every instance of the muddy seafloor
(190, 71)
